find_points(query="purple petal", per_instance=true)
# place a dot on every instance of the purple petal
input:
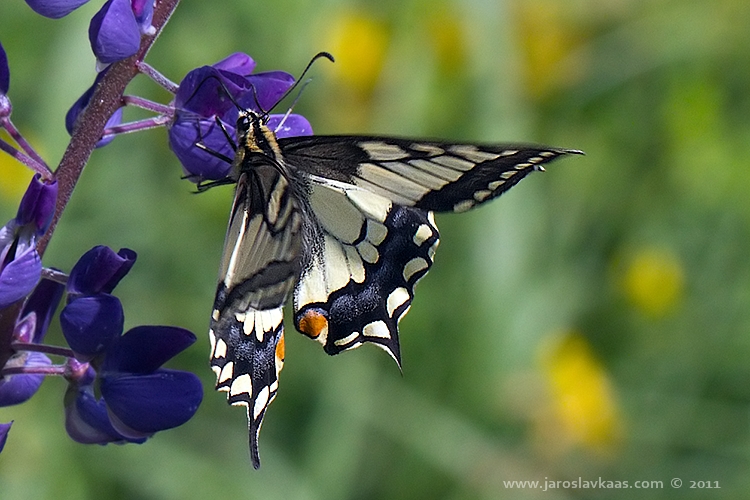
(25, 328)
(151, 403)
(71, 117)
(38, 204)
(125, 430)
(19, 276)
(73, 114)
(204, 91)
(114, 33)
(198, 81)
(239, 63)
(293, 126)
(5, 106)
(259, 93)
(269, 88)
(16, 389)
(144, 13)
(55, 9)
(113, 121)
(144, 349)
(99, 270)
(4, 429)
(79, 374)
(198, 164)
(41, 306)
(86, 419)
(91, 323)
(4, 71)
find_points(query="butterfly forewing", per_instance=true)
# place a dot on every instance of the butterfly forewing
(431, 175)
(259, 268)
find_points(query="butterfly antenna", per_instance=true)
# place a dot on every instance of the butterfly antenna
(224, 130)
(202, 146)
(304, 72)
(263, 112)
(294, 103)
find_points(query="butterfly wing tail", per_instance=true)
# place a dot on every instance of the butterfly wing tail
(247, 355)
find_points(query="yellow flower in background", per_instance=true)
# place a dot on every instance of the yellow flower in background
(359, 43)
(654, 281)
(581, 408)
(548, 35)
(448, 39)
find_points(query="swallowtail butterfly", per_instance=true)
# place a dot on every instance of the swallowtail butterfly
(345, 226)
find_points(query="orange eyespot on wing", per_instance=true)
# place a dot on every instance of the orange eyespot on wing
(313, 323)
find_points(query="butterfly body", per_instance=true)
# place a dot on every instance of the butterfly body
(344, 225)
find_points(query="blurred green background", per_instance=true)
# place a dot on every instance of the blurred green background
(593, 322)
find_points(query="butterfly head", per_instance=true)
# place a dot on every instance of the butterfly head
(255, 141)
(249, 124)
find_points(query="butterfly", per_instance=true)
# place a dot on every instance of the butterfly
(344, 226)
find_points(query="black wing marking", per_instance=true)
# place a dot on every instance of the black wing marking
(259, 267)
(359, 281)
(432, 175)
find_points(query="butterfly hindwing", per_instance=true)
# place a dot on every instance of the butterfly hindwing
(358, 282)
(259, 268)
(431, 175)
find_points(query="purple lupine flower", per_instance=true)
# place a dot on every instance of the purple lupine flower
(202, 99)
(114, 32)
(55, 9)
(19, 388)
(38, 311)
(20, 264)
(138, 397)
(144, 14)
(86, 417)
(37, 205)
(91, 323)
(4, 429)
(31, 328)
(4, 72)
(5, 106)
(93, 317)
(71, 117)
(100, 270)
